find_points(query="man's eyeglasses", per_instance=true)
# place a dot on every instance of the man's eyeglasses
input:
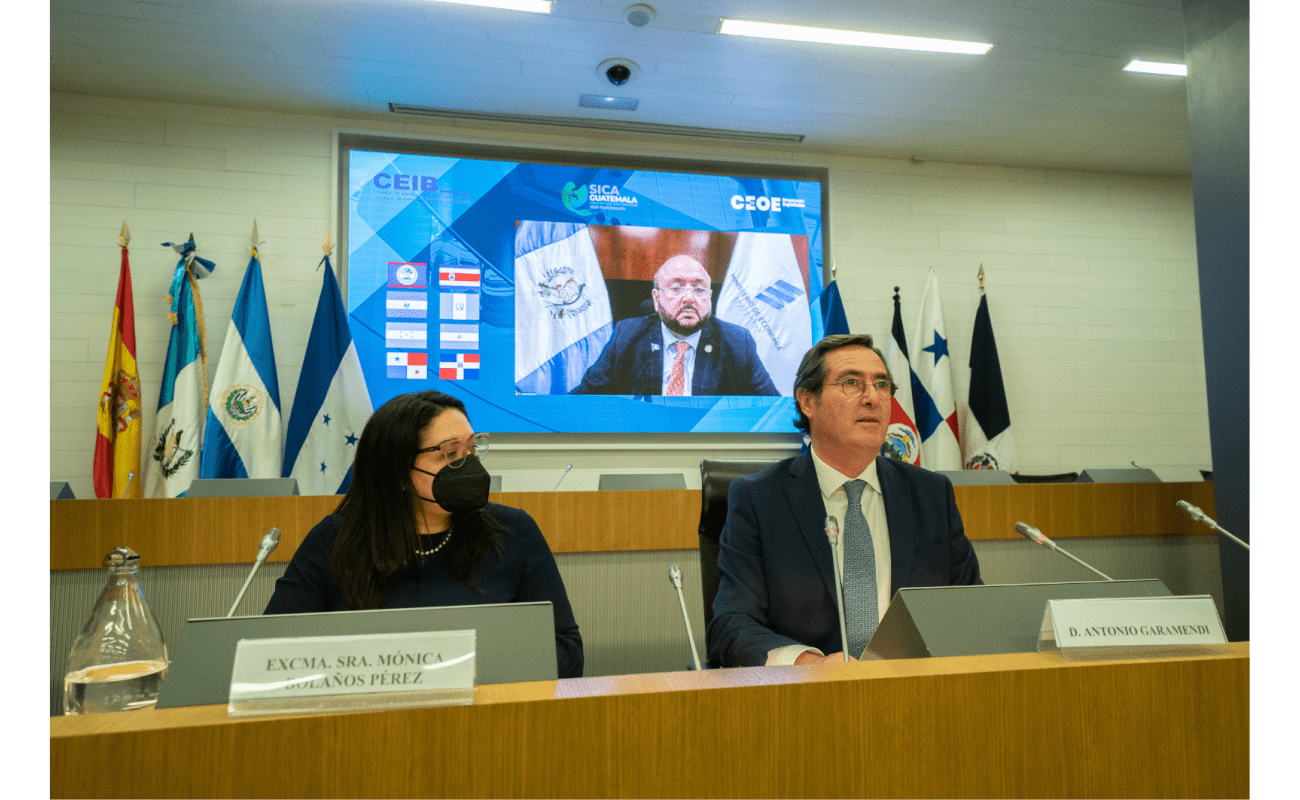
(677, 291)
(856, 387)
(455, 451)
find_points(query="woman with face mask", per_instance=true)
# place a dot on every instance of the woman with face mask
(416, 529)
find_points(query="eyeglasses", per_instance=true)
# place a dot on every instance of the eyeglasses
(856, 387)
(455, 451)
(678, 291)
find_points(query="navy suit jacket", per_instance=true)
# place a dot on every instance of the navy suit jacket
(726, 361)
(776, 579)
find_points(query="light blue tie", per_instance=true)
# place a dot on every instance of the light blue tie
(861, 606)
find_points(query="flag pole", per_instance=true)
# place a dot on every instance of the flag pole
(981, 276)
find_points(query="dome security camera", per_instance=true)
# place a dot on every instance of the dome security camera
(618, 71)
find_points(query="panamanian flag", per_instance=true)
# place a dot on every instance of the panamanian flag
(408, 366)
(458, 366)
(459, 277)
(932, 395)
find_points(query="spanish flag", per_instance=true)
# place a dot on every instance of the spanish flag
(117, 443)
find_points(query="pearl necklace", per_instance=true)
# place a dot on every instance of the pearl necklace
(420, 552)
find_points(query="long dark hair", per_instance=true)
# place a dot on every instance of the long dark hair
(378, 537)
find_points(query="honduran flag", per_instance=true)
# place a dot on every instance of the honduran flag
(331, 405)
(458, 366)
(459, 277)
(987, 442)
(117, 440)
(242, 437)
(408, 366)
(932, 396)
(902, 442)
(562, 313)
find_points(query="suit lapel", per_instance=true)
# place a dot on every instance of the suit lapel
(897, 494)
(803, 492)
(649, 363)
(704, 381)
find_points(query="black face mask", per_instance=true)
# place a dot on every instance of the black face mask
(463, 489)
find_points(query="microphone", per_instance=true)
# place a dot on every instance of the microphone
(267, 546)
(833, 533)
(561, 480)
(675, 575)
(1200, 516)
(1035, 535)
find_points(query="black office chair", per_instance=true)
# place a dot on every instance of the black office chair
(1064, 477)
(715, 479)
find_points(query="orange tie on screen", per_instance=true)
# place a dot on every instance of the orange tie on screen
(677, 380)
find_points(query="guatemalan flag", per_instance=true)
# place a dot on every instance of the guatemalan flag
(331, 405)
(243, 438)
(903, 442)
(562, 312)
(764, 292)
(987, 441)
(173, 463)
(932, 397)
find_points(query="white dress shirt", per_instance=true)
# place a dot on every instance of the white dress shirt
(670, 356)
(831, 482)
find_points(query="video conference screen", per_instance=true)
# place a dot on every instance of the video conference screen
(582, 298)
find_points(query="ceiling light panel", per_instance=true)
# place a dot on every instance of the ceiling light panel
(800, 33)
(1156, 68)
(535, 6)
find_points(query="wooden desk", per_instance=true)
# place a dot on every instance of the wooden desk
(1018, 725)
(220, 530)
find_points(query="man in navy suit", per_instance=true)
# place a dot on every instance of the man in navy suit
(680, 350)
(776, 581)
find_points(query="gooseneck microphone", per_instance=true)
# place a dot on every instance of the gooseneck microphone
(833, 533)
(268, 545)
(1200, 516)
(561, 480)
(675, 575)
(1035, 535)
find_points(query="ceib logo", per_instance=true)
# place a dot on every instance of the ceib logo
(572, 197)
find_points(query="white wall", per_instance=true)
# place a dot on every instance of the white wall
(1091, 277)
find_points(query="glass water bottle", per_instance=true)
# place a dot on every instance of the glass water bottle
(118, 661)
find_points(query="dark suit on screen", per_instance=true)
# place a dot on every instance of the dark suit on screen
(776, 579)
(726, 361)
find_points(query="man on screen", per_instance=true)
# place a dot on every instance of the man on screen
(680, 350)
(899, 523)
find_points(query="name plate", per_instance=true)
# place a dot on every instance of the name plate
(1132, 627)
(310, 674)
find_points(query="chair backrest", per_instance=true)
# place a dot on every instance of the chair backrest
(1064, 477)
(715, 479)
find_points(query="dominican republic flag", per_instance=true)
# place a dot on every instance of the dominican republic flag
(456, 305)
(410, 335)
(173, 463)
(458, 366)
(407, 305)
(987, 442)
(458, 336)
(903, 442)
(765, 292)
(243, 437)
(408, 275)
(117, 440)
(331, 405)
(408, 366)
(932, 397)
(459, 277)
(562, 312)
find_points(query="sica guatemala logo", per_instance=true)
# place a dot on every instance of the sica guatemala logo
(243, 403)
(902, 443)
(572, 197)
(561, 292)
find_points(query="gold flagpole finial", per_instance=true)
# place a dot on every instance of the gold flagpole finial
(124, 238)
(326, 246)
(981, 276)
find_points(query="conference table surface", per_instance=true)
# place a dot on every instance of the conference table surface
(1009, 725)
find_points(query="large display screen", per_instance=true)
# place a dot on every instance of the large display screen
(588, 298)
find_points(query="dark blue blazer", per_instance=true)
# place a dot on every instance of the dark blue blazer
(776, 579)
(726, 361)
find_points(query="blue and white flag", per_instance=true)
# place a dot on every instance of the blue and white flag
(987, 442)
(243, 438)
(764, 292)
(331, 405)
(932, 396)
(174, 458)
(562, 312)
